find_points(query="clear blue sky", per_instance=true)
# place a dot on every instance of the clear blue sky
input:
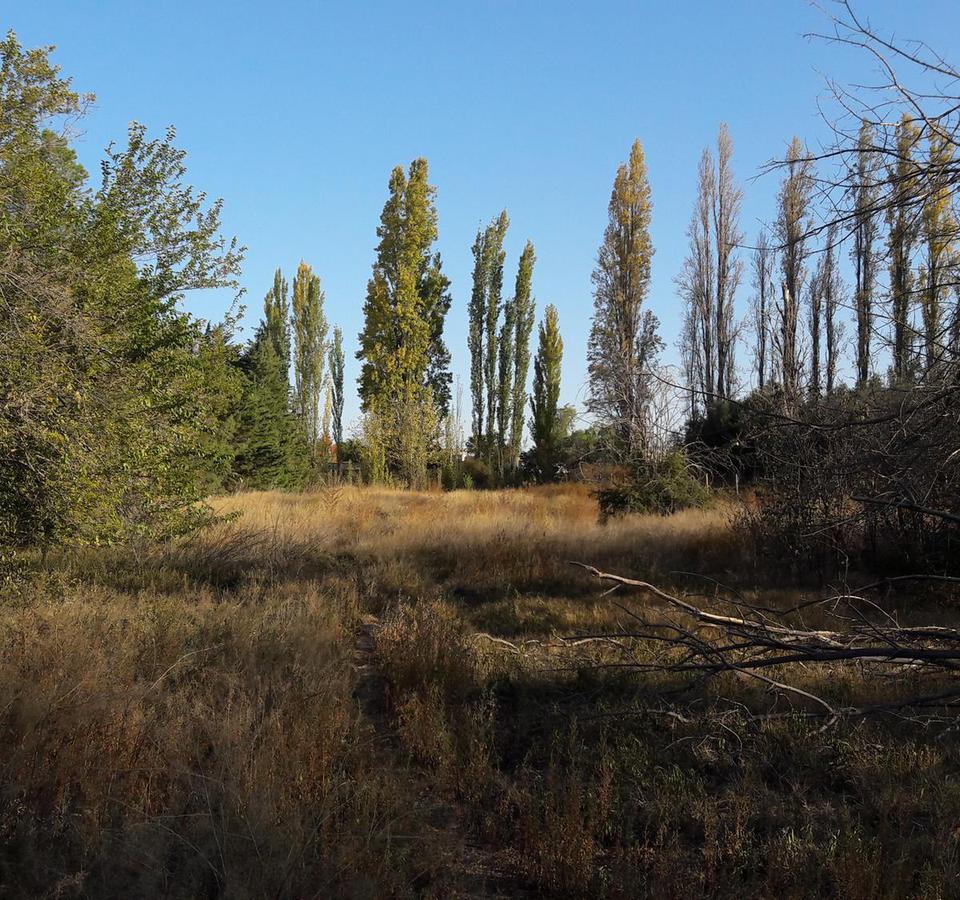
(295, 112)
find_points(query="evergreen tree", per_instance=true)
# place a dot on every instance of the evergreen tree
(336, 381)
(271, 447)
(276, 311)
(523, 317)
(623, 341)
(310, 347)
(545, 399)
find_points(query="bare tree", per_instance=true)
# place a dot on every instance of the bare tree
(727, 199)
(710, 277)
(832, 288)
(793, 227)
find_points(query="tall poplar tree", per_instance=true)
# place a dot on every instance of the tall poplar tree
(623, 341)
(763, 263)
(545, 399)
(727, 199)
(903, 232)
(493, 249)
(505, 381)
(407, 295)
(404, 359)
(866, 195)
(336, 384)
(939, 239)
(792, 227)
(310, 347)
(475, 336)
(523, 317)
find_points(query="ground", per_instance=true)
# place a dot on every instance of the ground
(369, 693)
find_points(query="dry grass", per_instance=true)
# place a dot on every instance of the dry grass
(181, 721)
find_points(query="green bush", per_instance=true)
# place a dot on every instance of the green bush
(662, 486)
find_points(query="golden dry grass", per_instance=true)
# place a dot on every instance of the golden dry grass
(182, 720)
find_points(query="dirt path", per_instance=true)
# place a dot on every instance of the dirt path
(473, 870)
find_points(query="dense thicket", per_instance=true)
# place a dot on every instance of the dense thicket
(114, 404)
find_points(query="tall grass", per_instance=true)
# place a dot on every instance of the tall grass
(185, 719)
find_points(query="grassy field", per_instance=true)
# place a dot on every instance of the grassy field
(367, 693)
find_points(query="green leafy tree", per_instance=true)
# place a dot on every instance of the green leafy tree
(404, 360)
(475, 335)
(493, 265)
(505, 382)
(545, 400)
(336, 381)
(523, 316)
(623, 341)
(116, 404)
(310, 348)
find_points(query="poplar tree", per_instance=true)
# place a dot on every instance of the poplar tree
(404, 381)
(623, 341)
(493, 264)
(903, 232)
(310, 347)
(505, 381)
(831, 287)
(865, 214)
(336, 383)
(792, 226)
(523, 317)
(476, 330)
(725, 208)
(545, 399)
(939, 238)
(763, 263)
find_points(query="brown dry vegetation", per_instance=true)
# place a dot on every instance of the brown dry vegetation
(184, 720)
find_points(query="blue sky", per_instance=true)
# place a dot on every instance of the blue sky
(295, 112)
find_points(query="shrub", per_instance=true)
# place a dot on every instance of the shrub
(663, 486)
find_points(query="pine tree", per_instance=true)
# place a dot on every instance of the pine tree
(276, 311)
(623, 341)
(310, 347)
(545, 399)
(523, 317)
(336, 382)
